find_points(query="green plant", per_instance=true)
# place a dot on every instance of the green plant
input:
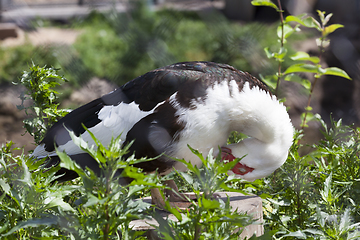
(40, 83)
(122, 46)
(30, 204)
(107, 205)
(304, 63)
(207, 217)
(13, 60)
(310, 195)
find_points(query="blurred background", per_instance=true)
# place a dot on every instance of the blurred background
(100, 45)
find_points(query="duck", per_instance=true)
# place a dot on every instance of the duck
(166, 110)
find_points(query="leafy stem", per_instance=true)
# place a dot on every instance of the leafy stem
(282, 39)
(40, 83)
(322, 43)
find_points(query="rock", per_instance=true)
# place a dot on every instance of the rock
(93, 89)
(11, 125)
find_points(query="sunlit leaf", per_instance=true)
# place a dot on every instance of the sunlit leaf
(302, 67)
(327, 18)
(5, 186)
(298, 234)
(288, 30)
(312, 23)
(208, 203)
(309, 117)
(296, 78)
(308, 108)
(33, 223)
(305, 57)
(331, 28)
(281, 54)
(336, 72)
(270, 80)
(268, 53)
(266, 3)
(59, 202)
(292, 18)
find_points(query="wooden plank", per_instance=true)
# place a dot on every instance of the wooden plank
(7, 30)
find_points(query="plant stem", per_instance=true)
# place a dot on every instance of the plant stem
(281, 46)
(107, 226)
(197, 227)
(321, 48)
(308, 103)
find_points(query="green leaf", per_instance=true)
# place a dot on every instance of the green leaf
(306, 22)
(281, 54)
(298, 234)
(33, 223)
(270, 80)
(279, 203)
(331, 28)
(296, 78)
(336, 72)
(68, 163)
(208, 203)
(321, 15)
(266, 3)
(288, 30)
(173, 210)
(92, 200)
(5, 186)
(305, 57)
(268, 53)
(309, 117)
(308, 108)
(187, 178)
(135, 189)
(302, 67)
(327, 18)
(292, 18)
(59, 202)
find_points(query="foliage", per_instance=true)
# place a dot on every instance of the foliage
(303, 62)
(99, 212)
(316, 196)
(206, 217)
(122, 46)
(304, 199)
(43, 111)
(33, 206)
(13, 60)
(28, 199)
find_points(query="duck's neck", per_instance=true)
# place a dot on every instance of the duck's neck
(267, 123)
